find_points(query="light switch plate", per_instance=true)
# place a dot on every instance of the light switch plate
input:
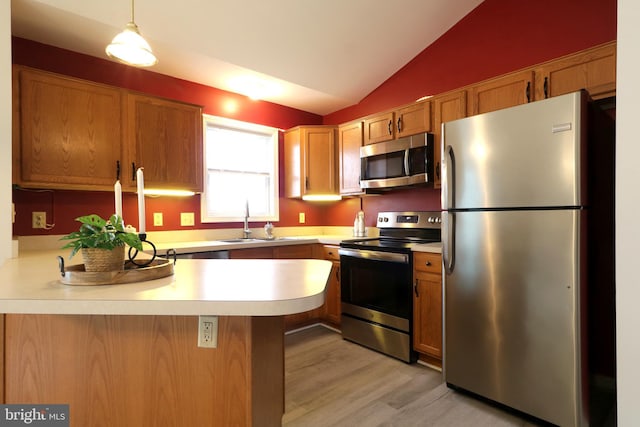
(187, 219)
(301, 218)
(157, 219)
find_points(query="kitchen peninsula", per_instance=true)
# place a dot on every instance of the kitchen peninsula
(127, 355)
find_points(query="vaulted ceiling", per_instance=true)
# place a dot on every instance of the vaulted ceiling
(316, 55)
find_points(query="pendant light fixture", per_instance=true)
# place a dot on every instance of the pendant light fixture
(129, 46)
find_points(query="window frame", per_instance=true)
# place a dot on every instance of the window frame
(210, 120)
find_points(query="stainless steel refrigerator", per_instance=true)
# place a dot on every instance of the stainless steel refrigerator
(514, 233)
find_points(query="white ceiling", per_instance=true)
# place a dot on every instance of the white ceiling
(324, 54)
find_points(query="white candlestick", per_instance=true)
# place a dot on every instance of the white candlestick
(140, 181)
(117, 188)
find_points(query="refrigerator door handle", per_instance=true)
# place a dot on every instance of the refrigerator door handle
(447, 172)
(448, 241)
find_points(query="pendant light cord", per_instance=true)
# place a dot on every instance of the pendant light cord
(132, 12)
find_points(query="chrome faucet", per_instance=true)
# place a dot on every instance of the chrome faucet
(246, 231)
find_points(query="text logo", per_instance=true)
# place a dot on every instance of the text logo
(34, 415)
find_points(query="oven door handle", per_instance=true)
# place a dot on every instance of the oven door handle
(375, 255)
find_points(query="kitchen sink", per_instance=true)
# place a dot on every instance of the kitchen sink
(257, 239)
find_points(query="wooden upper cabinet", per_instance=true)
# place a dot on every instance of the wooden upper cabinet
(165, 138)
(78, 135)
(349, 143)
(379, 128)
(447, 107)
(310, 161)
(502, 92)
(413, 119)
(593, 69)
(67, 132)
(408, 120)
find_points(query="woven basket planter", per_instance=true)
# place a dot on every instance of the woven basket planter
(96, 259)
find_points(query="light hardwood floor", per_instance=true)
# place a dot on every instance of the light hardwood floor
(333, 382)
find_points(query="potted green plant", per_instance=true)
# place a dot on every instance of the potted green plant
(101, 242)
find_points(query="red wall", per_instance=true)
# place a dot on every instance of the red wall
(63, 206)
(497, 37)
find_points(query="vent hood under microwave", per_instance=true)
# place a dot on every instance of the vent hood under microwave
(398, 163)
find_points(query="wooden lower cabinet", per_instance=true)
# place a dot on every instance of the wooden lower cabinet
(427, 306)
(298, 320)
(331, 310)
(328, 313)
(147, 370)
(252, 253)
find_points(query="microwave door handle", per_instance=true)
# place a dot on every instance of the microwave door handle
(407, 172)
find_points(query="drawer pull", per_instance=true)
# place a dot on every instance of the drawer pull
(428, 263)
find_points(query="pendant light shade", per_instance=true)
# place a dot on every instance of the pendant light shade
(130, 47)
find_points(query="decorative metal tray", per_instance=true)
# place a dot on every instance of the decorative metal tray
(75, 274)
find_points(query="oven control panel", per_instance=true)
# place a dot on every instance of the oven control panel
(422, 219)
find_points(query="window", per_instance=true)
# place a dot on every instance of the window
(241, 167)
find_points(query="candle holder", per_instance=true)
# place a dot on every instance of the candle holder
(133, 252)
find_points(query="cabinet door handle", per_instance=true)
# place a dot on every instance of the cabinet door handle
(415, 287)
(117, 170)
(390, 127)
(528, 92)
(133, 171)
(438, 170)
(306, 183)
(338, 274)
(399, 124)
(546, 87)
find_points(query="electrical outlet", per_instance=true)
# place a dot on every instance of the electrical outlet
(38, 220)
(157, 219)
(208, 331)
(301, 218)
(187, 219)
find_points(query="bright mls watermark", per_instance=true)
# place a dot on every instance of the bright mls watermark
(34, 415)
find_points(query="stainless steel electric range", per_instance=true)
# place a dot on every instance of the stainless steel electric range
(376, 282)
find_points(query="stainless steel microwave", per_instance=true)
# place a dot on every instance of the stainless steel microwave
(397, 163)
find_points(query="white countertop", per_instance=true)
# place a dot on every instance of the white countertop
(30, 284)
(219, 245)
(428, 247)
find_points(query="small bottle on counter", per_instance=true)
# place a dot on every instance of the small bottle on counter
(361, 228)
(268, 230)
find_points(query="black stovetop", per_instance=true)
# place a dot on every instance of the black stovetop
(386, 243)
